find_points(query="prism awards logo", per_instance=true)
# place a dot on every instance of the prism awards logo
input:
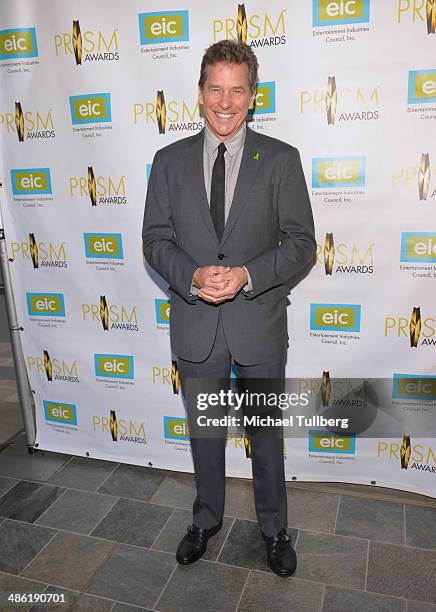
(421, 93)
(419, 330)
(168, 114)
(407, 455)
(104, 251)
(424, 176)
(91, 46)
(345, 258)
(256, 30)
(163, 28)
(322, 443)
(53, 368)
(28, 124)
(341, 104)
(417, 177)
(162, 312)
(118, 368)
(337, 324)
(111, 317)
(18, 43)
(120, 430)
(42, 254)
(93, 111)
(176, 433)
(61, 416)
(50, 306)
(423, 12)
(99, 189)
(418, 254)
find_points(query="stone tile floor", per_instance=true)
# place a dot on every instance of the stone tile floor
(104, 535)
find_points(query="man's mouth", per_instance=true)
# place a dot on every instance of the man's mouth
(224, 115)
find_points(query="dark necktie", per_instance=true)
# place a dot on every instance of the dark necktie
(217, 192)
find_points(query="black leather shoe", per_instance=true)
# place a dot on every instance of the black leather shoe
(281, 556)
(194, 544)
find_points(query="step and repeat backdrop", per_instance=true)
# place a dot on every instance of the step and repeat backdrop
(89, 92)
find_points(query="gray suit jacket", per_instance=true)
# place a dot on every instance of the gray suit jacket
(269, 230)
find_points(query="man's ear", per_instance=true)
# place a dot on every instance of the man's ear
(252, 100)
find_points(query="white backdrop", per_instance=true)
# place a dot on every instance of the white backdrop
(352, 84)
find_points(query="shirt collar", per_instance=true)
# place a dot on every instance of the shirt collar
(232, 145)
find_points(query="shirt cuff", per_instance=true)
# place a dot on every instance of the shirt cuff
(194, 291)
(249, 286)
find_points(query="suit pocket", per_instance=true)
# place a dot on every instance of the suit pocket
(276, 293)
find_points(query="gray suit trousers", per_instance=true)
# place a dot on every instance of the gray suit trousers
(209, 453)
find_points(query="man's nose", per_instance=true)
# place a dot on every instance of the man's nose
(226, 99)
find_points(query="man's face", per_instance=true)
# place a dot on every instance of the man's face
(226, 98)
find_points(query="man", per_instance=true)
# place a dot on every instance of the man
(228, 224)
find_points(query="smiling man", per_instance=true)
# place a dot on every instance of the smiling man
(228, 224)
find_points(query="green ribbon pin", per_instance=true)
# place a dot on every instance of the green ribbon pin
(256, 156)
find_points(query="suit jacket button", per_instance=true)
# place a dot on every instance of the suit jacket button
(220, 255)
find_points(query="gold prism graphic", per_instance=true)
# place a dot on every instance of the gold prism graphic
(405, 452)
(175, 377)
(431, 16)
(326, 388)
(104, 313)
(161, 112)
(92, 187)
(241, 24)
(48, 366)
(19, 121)
(33, 251)
(247, 446)
(424, 176)
(415, 326)
(329, 253)
(113, 425)
(331, 100)
(77, 42)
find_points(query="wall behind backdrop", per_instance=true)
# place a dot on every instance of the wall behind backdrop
(89, 91)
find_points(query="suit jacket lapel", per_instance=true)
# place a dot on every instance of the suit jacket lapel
(250, 164)
(195, 177)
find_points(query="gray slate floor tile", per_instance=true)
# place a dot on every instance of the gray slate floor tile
(133, 575)
(6, 484)
(78, 511)
(331, 559)
(417, 606)
(245, 546)
(421, 527)
(69, 560)
(133, 522)
(89, 603)
(402, 571)
(312, 510)
(359, 601)
(120, 607)
(15, 584)
(371, 519)
(20, 543)
(176, 490)
(133, 481)
(240, 499)
(175, 529)
(83, 473)
(264, 592)
(69, 597)
(203, 586)
(26, 501)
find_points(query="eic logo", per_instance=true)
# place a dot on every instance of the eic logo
(338, 172)
(31, 181)
(265, 98)
(176, 428)
(162, 311)
(330, 442)
(414, 386)
(103, 246)
(418, 247)
(91, 108)
(422, 86)
(335, 12)
(335, 317)
(58, 412)
(18, 43)
(163, 27)
(114, 366)
(45, 304)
